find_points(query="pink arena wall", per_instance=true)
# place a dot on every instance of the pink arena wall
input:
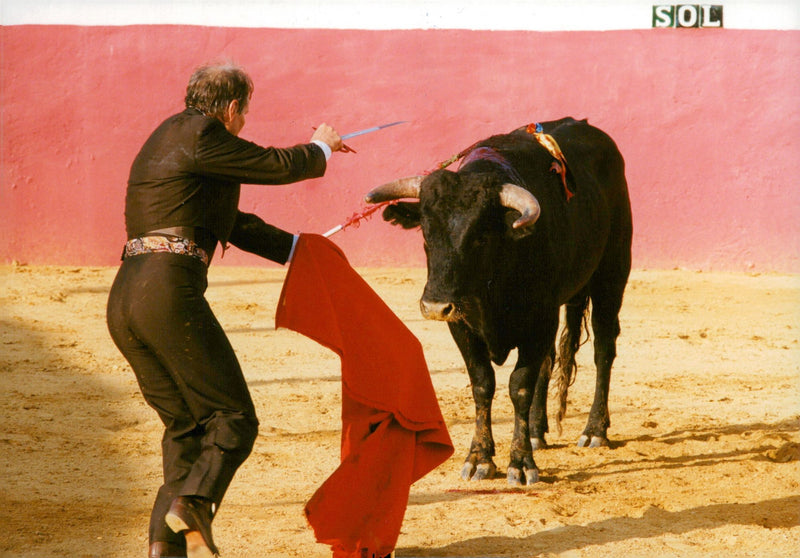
(707, 120)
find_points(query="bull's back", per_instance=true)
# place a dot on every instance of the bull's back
(574, 235)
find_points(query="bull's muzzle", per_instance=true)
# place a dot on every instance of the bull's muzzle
(442, 311)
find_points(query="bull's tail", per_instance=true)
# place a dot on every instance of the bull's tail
(567, 368)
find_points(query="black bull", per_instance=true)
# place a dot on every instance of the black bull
(506, 247)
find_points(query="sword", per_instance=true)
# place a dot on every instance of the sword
(369, 130)
(359, 216)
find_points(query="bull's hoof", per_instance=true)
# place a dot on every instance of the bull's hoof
(593, 442)
(522, 477)
(538, 443)
(482, 471)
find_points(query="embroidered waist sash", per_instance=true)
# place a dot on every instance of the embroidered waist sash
(172, 245)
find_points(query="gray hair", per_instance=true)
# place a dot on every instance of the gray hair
(213, 87)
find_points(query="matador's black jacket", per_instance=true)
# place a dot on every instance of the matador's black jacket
(189, 171)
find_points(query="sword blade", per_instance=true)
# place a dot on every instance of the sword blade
(373, 129)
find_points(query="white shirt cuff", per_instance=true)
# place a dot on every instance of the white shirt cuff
(325, 148)
(291, 252)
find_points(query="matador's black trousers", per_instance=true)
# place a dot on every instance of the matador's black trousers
(188, 373)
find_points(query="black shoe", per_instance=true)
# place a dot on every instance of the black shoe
(166, 550)
(188, 513)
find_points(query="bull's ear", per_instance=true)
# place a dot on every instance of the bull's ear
(404, 214)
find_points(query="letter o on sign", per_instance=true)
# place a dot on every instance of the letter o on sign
(687, 16)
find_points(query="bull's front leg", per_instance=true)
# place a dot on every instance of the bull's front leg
(522, 468)
(522, 385)
(479, 464)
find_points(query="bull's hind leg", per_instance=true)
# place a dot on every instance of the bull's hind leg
(478, 464)
(606, 298)
(521, 386)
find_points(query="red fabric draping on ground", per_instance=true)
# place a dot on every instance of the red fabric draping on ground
(393, 432)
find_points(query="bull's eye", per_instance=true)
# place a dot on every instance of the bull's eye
(479, 241)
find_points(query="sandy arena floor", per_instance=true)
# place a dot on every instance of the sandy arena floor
(705, 410)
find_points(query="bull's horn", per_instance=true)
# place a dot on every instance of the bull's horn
(401, 188)
(515, 197)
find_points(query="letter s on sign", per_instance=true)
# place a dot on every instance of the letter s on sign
(663, 16)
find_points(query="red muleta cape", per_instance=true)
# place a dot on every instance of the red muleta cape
(393, 432)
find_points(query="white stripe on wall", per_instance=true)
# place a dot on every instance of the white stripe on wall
(532, 15)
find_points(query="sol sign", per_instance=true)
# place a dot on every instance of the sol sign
(687, 15)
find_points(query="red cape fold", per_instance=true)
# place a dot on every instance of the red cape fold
(393, 432)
